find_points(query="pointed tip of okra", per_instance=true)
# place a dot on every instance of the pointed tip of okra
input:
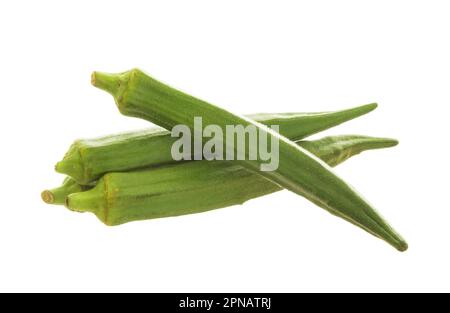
(371, 106)
(400, 244)
(381, 229)
(362, 109)
(378, 226)
(389, 142)
(403, 246)
(48, 197)
(394, 239)
(369, 143)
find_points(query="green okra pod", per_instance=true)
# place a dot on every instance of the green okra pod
(138, 95)
(333, 150)
(195, 187)
(87, 160)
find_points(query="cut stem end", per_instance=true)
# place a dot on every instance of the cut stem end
(48, 197)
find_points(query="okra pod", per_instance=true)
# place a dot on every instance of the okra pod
(138, 95)
(195, 187)
(333, 150)
(87, 160)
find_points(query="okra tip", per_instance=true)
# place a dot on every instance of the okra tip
(388, 234)
(403, 246)
(371, 106)
(359, 110)
(377, 142)
(390, 142)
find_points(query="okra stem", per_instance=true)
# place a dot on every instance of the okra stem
(58, 195)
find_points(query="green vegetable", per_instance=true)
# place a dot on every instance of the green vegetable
(59, 194)
(194, 187)
(87, 160)
(332, 150)
(138, 95)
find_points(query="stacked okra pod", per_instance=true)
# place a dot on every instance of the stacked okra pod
(132, 176)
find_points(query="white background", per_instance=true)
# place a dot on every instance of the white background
(247, 56)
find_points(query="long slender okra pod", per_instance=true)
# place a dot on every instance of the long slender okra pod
(194, 187)
(138, 95)
(87, 160)
(333, 150)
